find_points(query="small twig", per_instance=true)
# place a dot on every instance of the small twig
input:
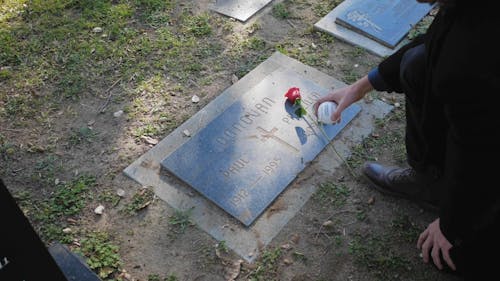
(108, 99)
(290, 23)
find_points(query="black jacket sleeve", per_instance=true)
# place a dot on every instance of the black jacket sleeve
(390, 66)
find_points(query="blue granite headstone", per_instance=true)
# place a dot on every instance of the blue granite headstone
(385, 21)
(245, 157)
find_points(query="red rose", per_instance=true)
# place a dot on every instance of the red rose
(293, 94)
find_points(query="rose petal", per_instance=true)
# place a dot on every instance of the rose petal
(293, 94)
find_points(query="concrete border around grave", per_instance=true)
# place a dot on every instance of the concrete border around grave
(246, 241)
(327, 24)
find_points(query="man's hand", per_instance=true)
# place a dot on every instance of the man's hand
(346, 96)
(433, 240)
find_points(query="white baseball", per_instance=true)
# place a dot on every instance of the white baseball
(325, 111)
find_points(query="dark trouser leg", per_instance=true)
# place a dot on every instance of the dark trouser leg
(412, 77)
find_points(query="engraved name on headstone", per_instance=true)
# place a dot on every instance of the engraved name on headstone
(246, 156)
(385, 21)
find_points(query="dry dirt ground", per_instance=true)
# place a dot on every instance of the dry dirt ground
(86, 87)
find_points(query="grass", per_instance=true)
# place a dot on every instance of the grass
(377, 253)
(181, 220)
(391, 140)
(101, 254)
(281, 11)
(265, 268)
(140, 200)
(332, 195)
(67, 201)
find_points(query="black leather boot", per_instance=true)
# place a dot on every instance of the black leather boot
(404, 183)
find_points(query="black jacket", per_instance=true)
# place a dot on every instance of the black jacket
(460, 118)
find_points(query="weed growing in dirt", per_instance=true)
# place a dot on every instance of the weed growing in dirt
(377, 254)
(392, 140)
(331, 194)
(266, 266)
(67, 201)
(281, 11)
(405, 229)
(140, 200)
(181, 220)
(102, 255)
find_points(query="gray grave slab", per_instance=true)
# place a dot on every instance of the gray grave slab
(329, 25)
(241, 10)
(246, 241)
(250, 153)
(385, 21)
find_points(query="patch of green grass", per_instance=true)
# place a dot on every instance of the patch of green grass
(392, 139)
(47, 168)
(332, 194)
(81, 135)
(67, 200)
(171, 277)
(101, 254)
(198, 25)
(141, 199)
(266, 265)
(154, 277)
(377, 254)
(281, 11)
(109, 197)
(221, 246)
(7, 149)
(181, 220)
(323, 7)
(405, 229)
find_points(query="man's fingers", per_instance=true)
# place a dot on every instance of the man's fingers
(436, 258)
(426, 246)
(421, 239)
(448, 260)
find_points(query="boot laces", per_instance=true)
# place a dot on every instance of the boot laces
(407, 175)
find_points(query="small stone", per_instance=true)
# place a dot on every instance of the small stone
(118, 113)
(286, 246)
(195, 99)
(287, 261)
(120, 192)
(356, 65)
(149, 140)
(234, 78)
(397, 104)
(371, 200)
(99, 210)
(186, 133)
(66, 230)
(97, 30)
(328, 223)
(56, 181)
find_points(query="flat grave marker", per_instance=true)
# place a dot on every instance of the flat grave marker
(378, 26)
(241, 10)
(385, 21)
(248, 241)
(249, 154)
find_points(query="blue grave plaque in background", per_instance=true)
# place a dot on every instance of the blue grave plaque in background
(244, 158)
(385, 21)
